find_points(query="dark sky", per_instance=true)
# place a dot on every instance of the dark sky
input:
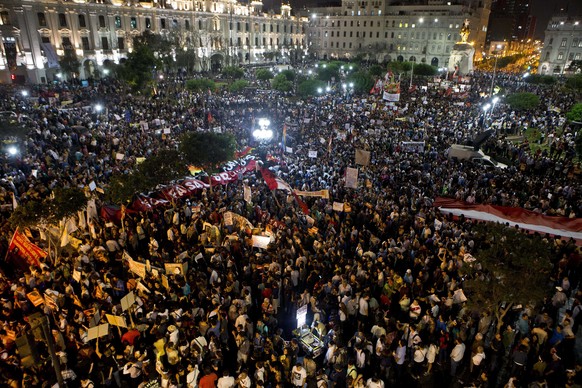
(544, 9)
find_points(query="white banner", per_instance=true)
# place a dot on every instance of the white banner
(352, 177)
(261, 241)
(312, 154)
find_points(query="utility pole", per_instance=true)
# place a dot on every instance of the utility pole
(48, 336)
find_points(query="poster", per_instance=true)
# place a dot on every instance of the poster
(261, 241)
(352, 178)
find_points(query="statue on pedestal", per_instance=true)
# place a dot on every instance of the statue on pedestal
(462, 54)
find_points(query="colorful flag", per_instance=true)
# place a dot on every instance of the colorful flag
(21, 247)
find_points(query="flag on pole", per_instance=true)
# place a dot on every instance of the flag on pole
(21, 247)
(284, 139)
(273, 182)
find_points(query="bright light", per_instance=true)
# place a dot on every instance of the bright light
(499, 47)
(495, 100)
(342, 67)
(24, 93)
(98, 108)
(313, 16)
(436, 20)
(161, 76)
(344, 86)
(319, 90)
(59, 75)
(263, 134)
(105, 71)
(421, 20)
(264, 123)
(310, 72)
(526, 75)
(351, 84)
(317, 65)
(324, 65)
(327, 89)
(351, 67)
(486, 107)
(12, 150)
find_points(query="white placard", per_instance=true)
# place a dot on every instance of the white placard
(261, 241)
(338, 206)
(312, 154)
(289, 150)
(119, 156)
(92, 186)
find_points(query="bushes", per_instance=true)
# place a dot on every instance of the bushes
(523, 101)
(200, 85)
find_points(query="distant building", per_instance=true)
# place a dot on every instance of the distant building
(36, 33)
(384, 30)
(562, 45)
(511, 21)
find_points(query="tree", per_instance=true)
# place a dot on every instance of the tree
(65, 202)
(575, 113)
(575, 82)
(207, 149)
(233, 72)
(511, 268)
(281, 83)
(69, 63)
(575, 66)
(289, 75)
(160, 169)
(363, 82)
(377, 71)
(523, 101)
(138, 70)
(309, 87)
(200, 85)
(327, 71)
(539, 79)
(264, 74)
(238, 86)
(425, 69)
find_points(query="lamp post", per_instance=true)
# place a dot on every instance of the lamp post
(496, 53)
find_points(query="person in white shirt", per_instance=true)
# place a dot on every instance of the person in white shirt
(374, 382)
(457, 356)
(192, 377)
(298, 375)
(226, 381)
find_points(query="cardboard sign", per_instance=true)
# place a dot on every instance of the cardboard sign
(116, 320)
(176, 268)
(35, 298)
(352, 178)
(338, 206)
(362, 157)
(312, 154)
(98, 331)
(127, 301)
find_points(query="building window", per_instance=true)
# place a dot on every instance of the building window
(118, 22)
(41, 19)
(256, 41)
(85, 43)
(4, 18)
(264, 41)
(350, 44)
(66, 41)
(104, 43)
(82, 22)
(148, 23)
(547, 56)
(62, 20)
(580, 43)
(133, 23)
(285, 28)
(574, 42)
(45, 39)
(163, 24)
(187, 25)
(121, 43)
(101, 21)
(560, 56)
(351, 34)
(564, 42)
(199, 24)
(239, 41)
(377, 34)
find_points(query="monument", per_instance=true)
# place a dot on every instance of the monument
(462, 54)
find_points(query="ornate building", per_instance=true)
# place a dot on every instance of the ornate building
(37, 33)
(384, 30)
(562, 45)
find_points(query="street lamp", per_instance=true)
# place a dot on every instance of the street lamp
(98, 108)
(24, 93)
(12, 151)
(498, 47)
(319, 90)
(495, 101)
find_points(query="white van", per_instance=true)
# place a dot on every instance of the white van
(463, 152)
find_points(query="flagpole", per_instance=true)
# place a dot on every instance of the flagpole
(12, 239)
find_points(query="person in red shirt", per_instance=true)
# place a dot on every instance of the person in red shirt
(209, 379)
(130, 336)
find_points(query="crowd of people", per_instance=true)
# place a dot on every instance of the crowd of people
(380, 281)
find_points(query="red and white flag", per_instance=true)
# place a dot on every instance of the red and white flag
(273, 182)
(514, 216)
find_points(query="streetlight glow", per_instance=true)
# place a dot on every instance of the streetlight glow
(12, 150)
(98, 108)
(319, 90)
(24, 93)
(486, 107)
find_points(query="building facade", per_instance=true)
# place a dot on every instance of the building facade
(36, 34)
(384, 30)
(562, 45)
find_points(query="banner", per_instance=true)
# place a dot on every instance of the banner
(412, 146)
(362, 157)
(338, 206)
(312, 154)
(319, 193)
(20, 246)
(352, 177)
(273, 182)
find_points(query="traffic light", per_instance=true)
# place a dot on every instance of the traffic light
(13, 77)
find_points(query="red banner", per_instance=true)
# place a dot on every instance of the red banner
(20, 246)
